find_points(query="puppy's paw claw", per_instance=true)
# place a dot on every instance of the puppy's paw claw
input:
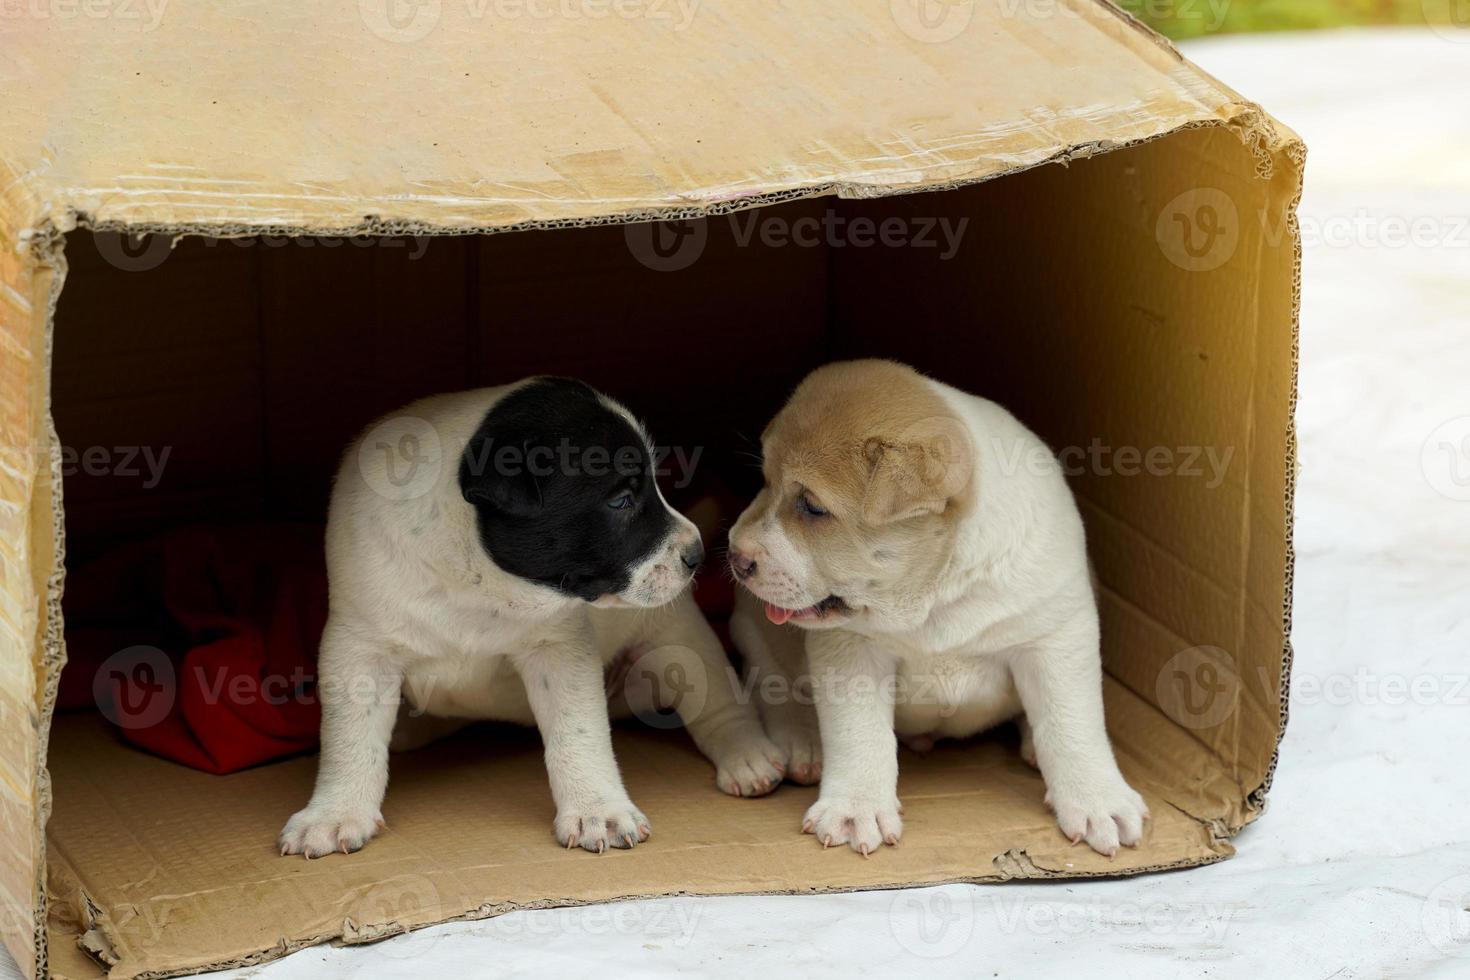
(863, 825)
(1105, 816)
(595, 828)
(750, 766)
(318, 831)
(801, 744)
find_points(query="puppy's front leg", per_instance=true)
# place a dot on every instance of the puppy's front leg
(682, 666)
(564, 684)
(776, 668)
(359, 689)
(1060, 684)
(852, 682)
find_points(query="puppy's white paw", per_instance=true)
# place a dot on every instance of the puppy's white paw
(317, 831)
(802, 746)
(750, 765)
(862, 824)
(1104, 815)
(597, 827)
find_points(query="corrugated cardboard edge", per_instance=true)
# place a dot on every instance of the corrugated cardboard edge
(1013, 865)
(1256, 128)
(1266, 138)
(1288, 144)
(29, 290)
(53, 646)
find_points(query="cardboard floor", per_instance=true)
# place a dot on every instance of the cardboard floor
(160, 880)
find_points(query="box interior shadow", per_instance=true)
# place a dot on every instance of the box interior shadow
(253, 362)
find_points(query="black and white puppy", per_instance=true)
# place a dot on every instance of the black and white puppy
(490, 554)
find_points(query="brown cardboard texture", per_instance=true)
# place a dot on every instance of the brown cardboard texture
(1113, 255)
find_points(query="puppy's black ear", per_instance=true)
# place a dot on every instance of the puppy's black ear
(500, 481)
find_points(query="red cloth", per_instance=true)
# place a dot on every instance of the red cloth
(201, 646)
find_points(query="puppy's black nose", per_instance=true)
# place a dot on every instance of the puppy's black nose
(693, 555)
(743, 564)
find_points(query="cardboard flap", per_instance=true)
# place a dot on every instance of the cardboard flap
(490, 114)
(30, 570)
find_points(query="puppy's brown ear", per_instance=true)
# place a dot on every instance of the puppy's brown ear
(916, 476)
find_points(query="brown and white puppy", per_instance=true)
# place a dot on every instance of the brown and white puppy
(928, 548)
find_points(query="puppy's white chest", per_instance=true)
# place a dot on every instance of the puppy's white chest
(467, 686)
(953, 695)
(451, 620)
(457, 662)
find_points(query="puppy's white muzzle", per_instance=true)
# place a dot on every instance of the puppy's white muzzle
(768, 563)
(667, 571)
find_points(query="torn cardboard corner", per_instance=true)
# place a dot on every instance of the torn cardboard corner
(1142, 298)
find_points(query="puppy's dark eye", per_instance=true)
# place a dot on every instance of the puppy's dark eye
(806, 505)
(622, 501)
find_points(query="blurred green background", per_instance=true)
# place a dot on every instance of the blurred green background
(1196, 18)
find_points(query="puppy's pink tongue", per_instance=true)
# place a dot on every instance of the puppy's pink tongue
(778, 615)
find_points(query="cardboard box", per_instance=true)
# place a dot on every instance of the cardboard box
(1126, 281)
